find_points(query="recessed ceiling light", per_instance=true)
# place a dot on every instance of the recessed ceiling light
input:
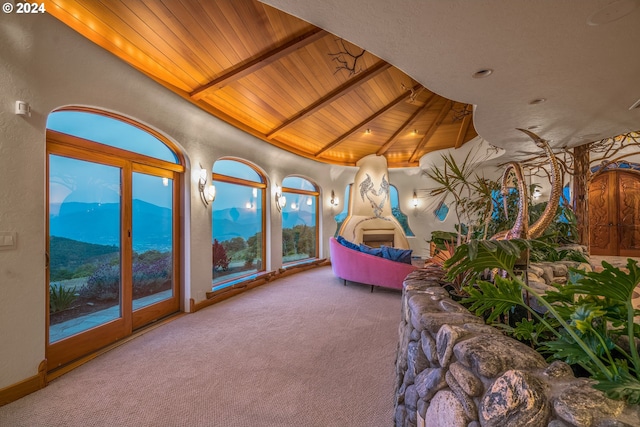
(612, 12)
(537, 101)
(485, 72)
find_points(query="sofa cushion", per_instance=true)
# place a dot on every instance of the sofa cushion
(369, 250)
(396, 254)
(347, 244)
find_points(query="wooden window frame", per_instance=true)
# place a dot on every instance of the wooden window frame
(313, 193)
(64, 145)
(262, 186)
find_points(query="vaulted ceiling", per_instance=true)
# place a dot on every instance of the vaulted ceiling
(568, 70)
(279, 78)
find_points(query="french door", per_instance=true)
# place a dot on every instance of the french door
(112, 246)
(614, 214)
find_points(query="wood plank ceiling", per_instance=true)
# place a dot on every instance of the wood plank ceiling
(275, 76)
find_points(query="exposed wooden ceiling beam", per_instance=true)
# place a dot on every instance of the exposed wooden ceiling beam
(463, 130)
(394, 138)
(259, 62)
(434, 126)
(332, 96)
(366, 121)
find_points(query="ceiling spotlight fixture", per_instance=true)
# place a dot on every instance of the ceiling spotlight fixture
(537, 101)
(484, 72)
(368, 131)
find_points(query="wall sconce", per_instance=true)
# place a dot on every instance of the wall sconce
(415, 200)
(334, 201)
(207, 194)
(281, 201)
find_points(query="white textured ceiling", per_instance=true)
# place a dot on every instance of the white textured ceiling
(588, 74)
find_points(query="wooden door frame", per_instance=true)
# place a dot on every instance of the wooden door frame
(73, 347)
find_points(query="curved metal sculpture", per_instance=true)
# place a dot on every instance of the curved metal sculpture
(521, 224)
(521, 228)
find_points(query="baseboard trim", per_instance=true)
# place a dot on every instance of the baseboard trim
(223, 294)
(19, 390)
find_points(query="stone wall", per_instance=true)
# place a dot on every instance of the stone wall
(453, 370)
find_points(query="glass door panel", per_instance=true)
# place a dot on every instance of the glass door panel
(152, 239)
(84, 246)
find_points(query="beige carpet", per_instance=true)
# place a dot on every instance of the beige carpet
(302, 351)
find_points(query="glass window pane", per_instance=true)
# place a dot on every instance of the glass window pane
(441, 211)
(152, 238)
(345, 210)
(397, 212)
(237, 231)
(236, 169)
(297, 183)
(84, 246)
(299, 227)
(109, 131)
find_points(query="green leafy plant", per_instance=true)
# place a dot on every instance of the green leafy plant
(457, 283)
(584, 321)
(471, 193)
(61, 298)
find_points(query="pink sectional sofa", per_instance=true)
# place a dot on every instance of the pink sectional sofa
(349, 264)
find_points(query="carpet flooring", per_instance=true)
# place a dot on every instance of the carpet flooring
(301, 351)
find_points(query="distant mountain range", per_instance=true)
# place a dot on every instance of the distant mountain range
(99, 223)
(243, 222)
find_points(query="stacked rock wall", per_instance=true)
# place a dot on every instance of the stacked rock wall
(455, 371)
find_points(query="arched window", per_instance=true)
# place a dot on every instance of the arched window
(238, 221)
(299, 219)
(113, 230)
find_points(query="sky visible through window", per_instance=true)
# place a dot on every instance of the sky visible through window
(109, 131)
(115, 133)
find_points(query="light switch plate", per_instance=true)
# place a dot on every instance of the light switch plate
(8, 240)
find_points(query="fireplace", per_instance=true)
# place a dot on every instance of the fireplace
(377, 239)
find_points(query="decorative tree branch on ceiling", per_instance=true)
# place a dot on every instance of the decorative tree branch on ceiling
(602, 154)
(460, 112)
(414, 92)
(346, 60)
